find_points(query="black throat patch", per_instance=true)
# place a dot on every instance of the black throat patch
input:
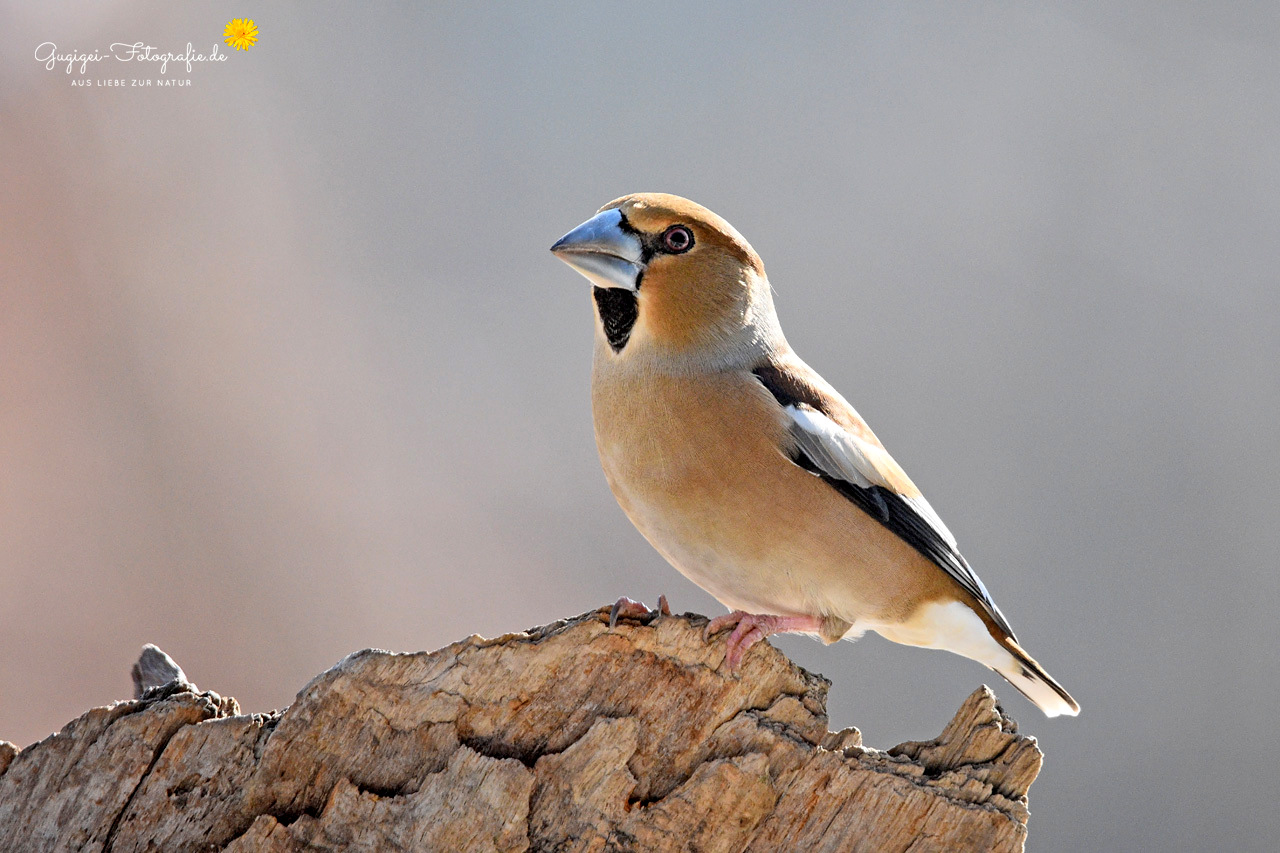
(618, 311)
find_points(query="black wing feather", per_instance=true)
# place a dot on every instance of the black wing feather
(895, 512)
(901, 518)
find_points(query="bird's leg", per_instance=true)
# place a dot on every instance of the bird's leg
(626, 608)
(751, 628)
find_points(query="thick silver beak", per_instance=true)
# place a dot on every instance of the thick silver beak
(602, 251)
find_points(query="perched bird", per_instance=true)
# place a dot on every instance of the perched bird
(746, 470)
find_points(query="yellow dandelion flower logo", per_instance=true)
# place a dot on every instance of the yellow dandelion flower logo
(241, 33)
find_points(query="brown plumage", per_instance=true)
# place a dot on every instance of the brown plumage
(746, 470)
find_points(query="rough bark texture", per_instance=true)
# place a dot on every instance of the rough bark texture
(570, 737)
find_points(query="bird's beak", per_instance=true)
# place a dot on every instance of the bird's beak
(603, 252)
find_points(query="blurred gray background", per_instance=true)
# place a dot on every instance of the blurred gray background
(286, 369)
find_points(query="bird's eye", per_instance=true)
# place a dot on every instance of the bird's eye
(677, 239)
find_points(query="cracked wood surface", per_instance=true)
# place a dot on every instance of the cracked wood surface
(568, 737)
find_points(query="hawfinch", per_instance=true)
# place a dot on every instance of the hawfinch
(746, 470)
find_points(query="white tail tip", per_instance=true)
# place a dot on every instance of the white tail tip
(1037, 685)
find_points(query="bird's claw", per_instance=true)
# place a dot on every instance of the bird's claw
(751, 628)
(719, 623)
(747, 631)
(625, 608)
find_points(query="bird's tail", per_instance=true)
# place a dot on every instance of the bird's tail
(1037, 685)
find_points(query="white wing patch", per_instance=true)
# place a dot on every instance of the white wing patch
(833, 448)
(864, 473)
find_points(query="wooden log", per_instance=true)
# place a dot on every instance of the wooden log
(570, 737)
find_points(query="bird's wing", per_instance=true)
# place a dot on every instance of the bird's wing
(834, 443)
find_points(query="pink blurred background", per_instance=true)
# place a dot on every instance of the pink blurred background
(286, 369)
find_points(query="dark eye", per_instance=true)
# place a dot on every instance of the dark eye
(677, 239)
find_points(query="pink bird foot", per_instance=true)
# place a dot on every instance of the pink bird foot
(625, 608)
(751, 628)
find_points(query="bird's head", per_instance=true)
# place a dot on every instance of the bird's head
(673, 279)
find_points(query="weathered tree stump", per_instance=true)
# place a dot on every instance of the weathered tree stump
(573, 736)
